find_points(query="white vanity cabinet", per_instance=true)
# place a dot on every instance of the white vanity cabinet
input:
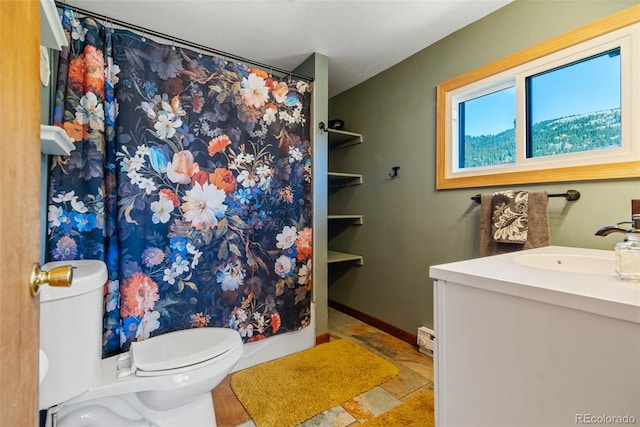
(524, 339)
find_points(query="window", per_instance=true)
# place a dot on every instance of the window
(564, 110)
(486, 129)
(588, 116)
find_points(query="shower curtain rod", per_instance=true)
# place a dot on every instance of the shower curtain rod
(148, 32)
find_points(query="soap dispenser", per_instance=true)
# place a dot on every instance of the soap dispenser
(627, 252)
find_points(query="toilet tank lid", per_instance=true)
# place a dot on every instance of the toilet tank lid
(88, 275)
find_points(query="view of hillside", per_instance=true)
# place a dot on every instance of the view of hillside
(583, 132)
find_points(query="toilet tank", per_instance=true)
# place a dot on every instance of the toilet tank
(71, 331)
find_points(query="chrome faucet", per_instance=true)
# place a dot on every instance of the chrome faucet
(608, 229)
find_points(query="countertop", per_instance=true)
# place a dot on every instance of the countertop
(600, 292)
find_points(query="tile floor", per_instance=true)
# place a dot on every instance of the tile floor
(416, 376)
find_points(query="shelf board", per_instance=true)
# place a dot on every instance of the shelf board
(54, 140)
(335, 256)
(357, 219)
(51, 32)
(341, 139)
(339, 179)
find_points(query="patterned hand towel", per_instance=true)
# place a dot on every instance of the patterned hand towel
(538, 223)
(510, 221)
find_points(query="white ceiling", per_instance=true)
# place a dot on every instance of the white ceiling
(360, 38)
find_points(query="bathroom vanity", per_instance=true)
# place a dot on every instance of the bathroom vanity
(543, 337)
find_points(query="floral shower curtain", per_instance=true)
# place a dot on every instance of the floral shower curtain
(191, 180)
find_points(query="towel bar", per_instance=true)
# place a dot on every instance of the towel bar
(570, 195)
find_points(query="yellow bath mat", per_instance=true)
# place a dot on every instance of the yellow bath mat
(289, 390)
(415, 412)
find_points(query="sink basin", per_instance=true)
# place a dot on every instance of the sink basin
(44, 365)
(569, 263)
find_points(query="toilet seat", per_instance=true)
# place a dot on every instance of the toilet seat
(179, 351)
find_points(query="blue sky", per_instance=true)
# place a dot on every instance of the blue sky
(584, 87)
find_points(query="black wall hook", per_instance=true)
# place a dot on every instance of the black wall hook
(323, 127)
(394, 174)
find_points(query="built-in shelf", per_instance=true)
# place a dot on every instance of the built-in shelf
(55, 141)
(335, 256)
(51, 32)
(342, 138)
(339, 179)
(355, 219)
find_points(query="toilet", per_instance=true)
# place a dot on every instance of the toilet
(164, 381)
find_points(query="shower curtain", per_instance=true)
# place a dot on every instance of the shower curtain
(190, 178)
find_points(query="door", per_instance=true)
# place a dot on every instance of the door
(19, 209)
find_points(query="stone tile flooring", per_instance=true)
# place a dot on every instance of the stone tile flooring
(416, 376)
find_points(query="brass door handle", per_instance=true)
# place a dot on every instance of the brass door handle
(58, 276)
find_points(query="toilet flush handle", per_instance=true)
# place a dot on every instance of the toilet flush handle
(58, 276)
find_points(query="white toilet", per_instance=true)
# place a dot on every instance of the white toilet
(165, 381)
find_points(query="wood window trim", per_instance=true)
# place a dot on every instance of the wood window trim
(598, 28)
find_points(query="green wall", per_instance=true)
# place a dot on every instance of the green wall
(408, 225)
(317, 66)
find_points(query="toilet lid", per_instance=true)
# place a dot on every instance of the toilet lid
(180, 349)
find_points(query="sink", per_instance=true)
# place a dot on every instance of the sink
(44, 365)
(569, 263)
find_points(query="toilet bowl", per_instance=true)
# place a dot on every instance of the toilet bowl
(164, 381)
